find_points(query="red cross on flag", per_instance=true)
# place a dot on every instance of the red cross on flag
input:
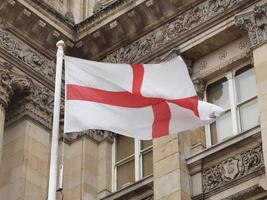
(142, 101)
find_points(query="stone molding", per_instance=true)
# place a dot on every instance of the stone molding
(96, 135)
(233, 169)
(26, 54)
(105, 12)
(245, 193)
(140, 190)
(255, 24)
(249, 192)
(236, 53)
(167, 33)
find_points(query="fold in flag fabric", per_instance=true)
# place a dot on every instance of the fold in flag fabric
(142, 101)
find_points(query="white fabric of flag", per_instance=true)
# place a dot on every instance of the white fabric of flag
(142, 101)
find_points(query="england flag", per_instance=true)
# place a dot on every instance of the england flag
(142, 101)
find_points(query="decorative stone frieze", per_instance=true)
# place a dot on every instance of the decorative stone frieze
(233, 168)
(95, 135)
(170, 31)
(255, 24)
(26, 54)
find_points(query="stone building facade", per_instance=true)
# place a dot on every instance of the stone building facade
(224, 45)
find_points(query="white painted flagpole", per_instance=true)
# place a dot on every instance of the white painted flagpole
(52, 187)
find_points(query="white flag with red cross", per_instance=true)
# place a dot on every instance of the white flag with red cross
(142, 101)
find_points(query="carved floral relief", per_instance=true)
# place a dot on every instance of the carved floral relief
(27, 55)
(233, 168)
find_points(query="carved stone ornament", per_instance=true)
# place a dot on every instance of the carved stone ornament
(38, 105)
(96, 135)
(26, 54)
(170, 31)
(233, 168)
(199, 85)
(255, 23)
(12, 84)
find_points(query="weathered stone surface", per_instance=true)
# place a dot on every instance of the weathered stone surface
(38, 105)
(26, 54)
(233, 168)
(255, 23)
(170, 31)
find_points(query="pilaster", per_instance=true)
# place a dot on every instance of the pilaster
(24, 172)
(169, 167)
(2, 125)
(255, 23)
(104, 168)
(11, 84)
(198, 139)
(4, 99)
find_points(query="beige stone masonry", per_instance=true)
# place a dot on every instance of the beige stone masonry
(24, 172)
(104, 168)
(260, 63)
(171, 178)
(80, 170)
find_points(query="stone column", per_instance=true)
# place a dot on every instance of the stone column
(198, 139)
(104, 167)
(255, 24)
(2, 124)
(5, 92)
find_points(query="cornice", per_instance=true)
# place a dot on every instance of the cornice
(180, 28)
(104, 13)
(40, 8)
(44, 6)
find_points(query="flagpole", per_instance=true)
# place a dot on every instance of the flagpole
(52, 186)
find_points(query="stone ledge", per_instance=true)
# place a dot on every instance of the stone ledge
(140, 190)
(222, 145)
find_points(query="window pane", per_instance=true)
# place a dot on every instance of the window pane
(125, 174)
(125, 147)
(145, 144)
(218, 93)
(147, 164)
(221, 128)
(245, 84)
(249, 115)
